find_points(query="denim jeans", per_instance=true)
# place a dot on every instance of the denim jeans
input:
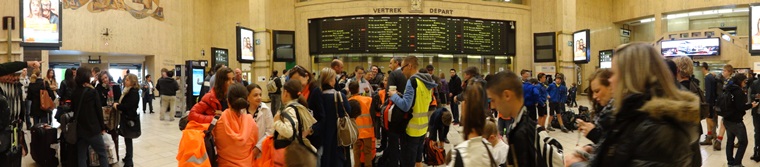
(410, 148)
(42, 119)
(392, 151)
(455, 111)
(27, 110)
(97, 144)
(128, 157)
(735, 130)
(756, 123)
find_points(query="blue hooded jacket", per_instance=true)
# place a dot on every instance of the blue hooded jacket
(542, 94)
(531, 94)
(558, 94)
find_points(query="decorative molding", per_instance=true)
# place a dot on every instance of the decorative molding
(97, 6)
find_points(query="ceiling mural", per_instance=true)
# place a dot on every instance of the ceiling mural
(137, 8)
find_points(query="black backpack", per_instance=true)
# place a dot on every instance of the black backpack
(723, 101)
(703, 106)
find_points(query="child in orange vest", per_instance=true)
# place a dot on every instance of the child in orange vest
(364, 148)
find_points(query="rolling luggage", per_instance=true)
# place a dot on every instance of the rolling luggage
(43, 137)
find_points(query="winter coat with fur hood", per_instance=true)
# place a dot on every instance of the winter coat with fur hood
(651, 131)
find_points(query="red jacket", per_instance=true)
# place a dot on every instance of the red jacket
(204, 110)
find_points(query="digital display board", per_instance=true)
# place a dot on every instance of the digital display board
(581, 45)
(754, 29)
(41, 23)
(691, 47)
(411, 34)
(245, 47)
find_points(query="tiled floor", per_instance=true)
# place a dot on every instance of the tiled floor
(157, 147)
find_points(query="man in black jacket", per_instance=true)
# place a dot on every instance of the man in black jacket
(755, 96)
(275, 96)
(455, 88)
(506, 94)
(147, 94)
(710, 95)
(391, 137)
(167, 87)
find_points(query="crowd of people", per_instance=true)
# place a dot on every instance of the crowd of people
(643, 114)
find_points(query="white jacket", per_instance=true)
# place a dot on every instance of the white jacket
(473, 151)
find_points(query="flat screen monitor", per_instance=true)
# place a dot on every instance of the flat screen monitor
(41, 24)
(754, 29)
(605, 59)
(245, 45)
(197, 76)
(581, 46)
(691, 47)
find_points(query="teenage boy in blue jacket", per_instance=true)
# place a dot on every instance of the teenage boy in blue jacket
(557, 96)
(542, 97)
(530, 95)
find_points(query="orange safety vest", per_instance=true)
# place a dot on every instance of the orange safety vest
(364, 121)
(192, 150)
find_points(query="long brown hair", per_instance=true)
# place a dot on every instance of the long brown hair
(238, 97)
(474, 110)
(220, 83)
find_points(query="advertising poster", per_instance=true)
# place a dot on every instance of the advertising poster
(198, 75)
(41, 21)
(246, 44)
(754, 30)
(605, 59)
(580, 46)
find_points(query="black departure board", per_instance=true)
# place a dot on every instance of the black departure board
(411, 34)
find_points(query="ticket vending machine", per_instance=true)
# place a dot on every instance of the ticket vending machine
(196, 72)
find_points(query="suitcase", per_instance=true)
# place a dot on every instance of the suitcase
(68, 153)
(43, 137)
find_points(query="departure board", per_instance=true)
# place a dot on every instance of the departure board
(411, 34)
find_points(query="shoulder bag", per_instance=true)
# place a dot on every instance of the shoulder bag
(348, 132)
(70, 131)
(46, 103)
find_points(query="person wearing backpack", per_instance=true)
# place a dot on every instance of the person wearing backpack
(736, 106)
(415, 104)
(723, 82)
(475, 150)
(684, 70)
(506, 94)
(274, 95)
(654, 122)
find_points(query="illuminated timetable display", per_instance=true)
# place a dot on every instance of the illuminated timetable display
(411, 34)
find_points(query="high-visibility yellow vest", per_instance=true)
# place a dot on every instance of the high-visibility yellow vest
(418, 125)
(364, 121)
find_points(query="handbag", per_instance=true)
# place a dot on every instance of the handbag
(110, 152)
(348, 132)
(130, 128)
(46, 103)
(112, 116)
(70, 130)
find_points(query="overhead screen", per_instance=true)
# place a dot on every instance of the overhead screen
(41, 24)
(754, 29)
(605, 59)
(581, 45)
(691, 47)
(411, 34)
(245, 47)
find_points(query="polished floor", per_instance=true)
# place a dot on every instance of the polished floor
(157, 147)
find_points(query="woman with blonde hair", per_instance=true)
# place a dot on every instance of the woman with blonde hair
(328, 106)
(654, 120)
(127, 104)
